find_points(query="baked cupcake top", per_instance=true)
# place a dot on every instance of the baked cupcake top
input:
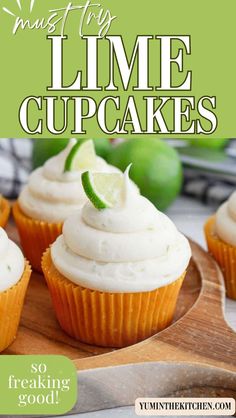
(54, 191)
(130, 247)
(226, 221)
(12, 262)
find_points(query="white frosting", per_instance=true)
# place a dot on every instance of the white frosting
(12, 262)
(51, 194)
(129, 248)
(226, 221)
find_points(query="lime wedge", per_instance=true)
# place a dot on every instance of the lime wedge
(82, 156)
(104, 190)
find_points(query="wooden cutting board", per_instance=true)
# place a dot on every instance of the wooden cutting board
(199, 347)
(40, 333)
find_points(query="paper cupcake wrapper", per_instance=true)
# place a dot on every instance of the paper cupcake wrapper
(5, 209)
(11, 303)
(224, 254)
(109, 319)
(35, 236)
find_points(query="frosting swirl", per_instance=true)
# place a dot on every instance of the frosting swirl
(51, 194)
(226, 221)
(12, 262)
(129, 248)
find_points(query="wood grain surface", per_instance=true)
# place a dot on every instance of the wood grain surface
(199, 333)
(201, 336)
(39, 332)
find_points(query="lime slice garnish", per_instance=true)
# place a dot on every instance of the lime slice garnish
(82, 156)
(104, 190)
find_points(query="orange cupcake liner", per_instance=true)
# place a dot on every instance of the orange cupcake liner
(5, 210)
(35, 236)
(109, 319)
(224, 254)
(11, 304)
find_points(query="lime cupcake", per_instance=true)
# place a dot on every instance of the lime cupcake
(220, 232)
(4, 211)
(115, 273)
(53, 192)
(14, 277)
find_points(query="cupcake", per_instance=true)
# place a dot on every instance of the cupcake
(53, 192)
(14, 277)
(220, 232)
(115, 272)
(4, 211)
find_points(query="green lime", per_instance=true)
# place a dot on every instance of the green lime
(81, 156)
(104, 190)
(102, 147)
(156, 168)
(209, 142)
(43, 149)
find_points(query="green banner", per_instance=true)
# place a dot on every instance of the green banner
(41, 385)
(95, 69)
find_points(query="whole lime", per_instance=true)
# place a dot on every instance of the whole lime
(156, 168)
(209, 142)
(43, 149)
(102, 146)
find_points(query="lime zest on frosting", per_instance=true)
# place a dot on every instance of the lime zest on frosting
(82, 156)
(104, 190)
